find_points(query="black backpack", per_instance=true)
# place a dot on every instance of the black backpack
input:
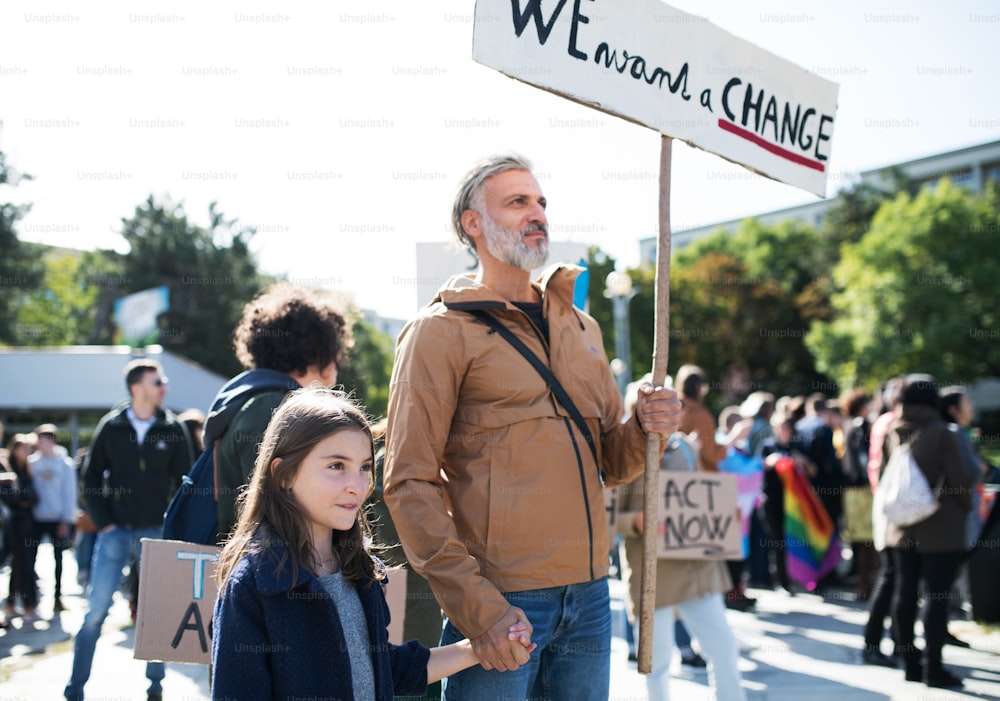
(192, 515)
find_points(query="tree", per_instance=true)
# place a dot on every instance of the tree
(740, 305)
(850, 217)
(20, 262)
(369, 367)
(211, 274)
(599, 264)
(917, 292)
(62, 313)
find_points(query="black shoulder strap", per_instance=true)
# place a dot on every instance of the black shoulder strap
(545, 372)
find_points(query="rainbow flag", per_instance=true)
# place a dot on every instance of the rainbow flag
(813, 545)
(749, 471)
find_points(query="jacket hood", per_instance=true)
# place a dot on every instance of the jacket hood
(918, 415)
(235, 393)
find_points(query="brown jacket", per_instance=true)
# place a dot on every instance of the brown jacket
(490, 483)
(938, 454)
(696, 418)
(676, 580)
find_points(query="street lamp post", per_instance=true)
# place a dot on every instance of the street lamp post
(618, 288)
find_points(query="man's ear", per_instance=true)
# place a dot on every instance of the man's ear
(471, 222)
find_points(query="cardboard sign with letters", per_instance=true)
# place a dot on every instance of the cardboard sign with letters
(699, 518)
(176, 598)
(671, 71)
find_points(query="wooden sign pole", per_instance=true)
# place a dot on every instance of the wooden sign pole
(654, 449)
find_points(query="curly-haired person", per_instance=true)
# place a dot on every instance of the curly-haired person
(296, 331)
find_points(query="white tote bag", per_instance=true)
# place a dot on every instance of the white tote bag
(903, 495)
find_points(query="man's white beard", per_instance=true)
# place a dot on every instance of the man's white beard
(508, 246)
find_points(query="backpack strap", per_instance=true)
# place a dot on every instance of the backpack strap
(215, 470)
(550, 379)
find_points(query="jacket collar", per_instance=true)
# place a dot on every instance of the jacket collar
(463, 292)
(122, 414)
(266, 553)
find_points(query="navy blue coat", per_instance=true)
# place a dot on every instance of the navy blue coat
(273, 640)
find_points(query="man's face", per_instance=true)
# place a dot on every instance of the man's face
(46, 444)
(152, 389)
(514, 227)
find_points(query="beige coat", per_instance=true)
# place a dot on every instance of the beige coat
(676, 580)
(488, 480)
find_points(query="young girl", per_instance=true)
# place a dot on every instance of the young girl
(300, 612)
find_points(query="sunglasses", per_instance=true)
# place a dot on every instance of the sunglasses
(160, 381)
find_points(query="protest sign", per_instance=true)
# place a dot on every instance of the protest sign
(671, 71)
(698, 517)
(176, 597)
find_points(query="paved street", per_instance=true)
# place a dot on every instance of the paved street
(795, 648)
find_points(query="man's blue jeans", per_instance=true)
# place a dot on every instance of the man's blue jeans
(572, 626)
(114, 550)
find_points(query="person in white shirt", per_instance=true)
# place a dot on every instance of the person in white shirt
(55, 481)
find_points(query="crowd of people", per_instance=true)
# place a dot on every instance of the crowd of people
(504, 429)
(841, 446)
(38, 500)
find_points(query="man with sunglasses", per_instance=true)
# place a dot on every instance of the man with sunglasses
(137, 458)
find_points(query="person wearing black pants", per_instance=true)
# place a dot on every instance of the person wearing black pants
(881, 606)
(937, 573)
(928, 552)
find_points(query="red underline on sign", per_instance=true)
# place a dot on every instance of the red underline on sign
(767, 146)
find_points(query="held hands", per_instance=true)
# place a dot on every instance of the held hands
(507, 644)
(658, 410)
(521, 632)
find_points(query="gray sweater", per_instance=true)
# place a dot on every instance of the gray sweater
(352, 620)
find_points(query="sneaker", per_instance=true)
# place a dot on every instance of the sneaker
(942, 679)
(876, 657)
(29, 618)
(693, 659)
(740, 601)
(950, 639)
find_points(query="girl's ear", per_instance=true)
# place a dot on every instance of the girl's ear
(273, 468)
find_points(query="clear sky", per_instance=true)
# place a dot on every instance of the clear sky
(340, 129)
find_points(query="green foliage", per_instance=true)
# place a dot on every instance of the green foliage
(851, 215)
(63, 313)
(21, 266)
(599, 264)
(211, 274)
(740, 305)
(918, 292)
(742, 330)
(369, 367)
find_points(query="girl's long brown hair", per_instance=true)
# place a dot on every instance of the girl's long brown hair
(268, 508)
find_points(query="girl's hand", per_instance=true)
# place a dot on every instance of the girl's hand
(521, 632)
